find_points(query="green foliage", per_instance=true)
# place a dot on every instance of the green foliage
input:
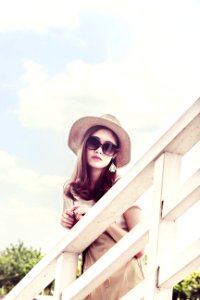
(178, 292)
(191, 285)
(79, 266)
(145, 260)
(189, 288)
(15, 262)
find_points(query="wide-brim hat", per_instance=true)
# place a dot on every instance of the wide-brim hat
(80, 127)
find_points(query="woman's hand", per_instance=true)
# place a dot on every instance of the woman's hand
(68, 219)
(80, 211)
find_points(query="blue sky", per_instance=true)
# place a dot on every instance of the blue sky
(61, 60)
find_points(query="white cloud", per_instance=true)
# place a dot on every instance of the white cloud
(12, 173)
(34, 225)
(114, 87)
(158, 73)
(30, 203)
(37, 15)
(7, 160)
(82, 89)
(40, 15)
(160, 18)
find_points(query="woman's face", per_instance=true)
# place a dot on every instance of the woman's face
(96, 158)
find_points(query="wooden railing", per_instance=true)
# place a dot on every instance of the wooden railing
(158, 168)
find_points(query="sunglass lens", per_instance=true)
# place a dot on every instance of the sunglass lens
(108, 148)
(93, 143)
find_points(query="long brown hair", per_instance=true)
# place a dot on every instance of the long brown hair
(80, 182)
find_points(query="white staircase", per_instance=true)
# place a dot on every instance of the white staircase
(158, 168)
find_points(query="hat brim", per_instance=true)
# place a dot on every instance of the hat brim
(79, 128)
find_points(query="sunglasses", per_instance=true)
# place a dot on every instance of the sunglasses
(108, 148)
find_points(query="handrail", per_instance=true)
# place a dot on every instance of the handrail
(177, 140)
(126, 248)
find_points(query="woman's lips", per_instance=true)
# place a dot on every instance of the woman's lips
(96, 158)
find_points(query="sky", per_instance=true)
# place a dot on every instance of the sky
(62, 60)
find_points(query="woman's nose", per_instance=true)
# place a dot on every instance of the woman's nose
(99, 150)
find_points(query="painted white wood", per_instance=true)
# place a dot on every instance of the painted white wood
(113, 204)
(181, 136)
(187, 137)
(112, 260)
(171, 180)
(187, 195)
(66, 268)
(99, 217)
(181, 266)
(151, 281)
(162, 234)
(33, 283)
(138, 179)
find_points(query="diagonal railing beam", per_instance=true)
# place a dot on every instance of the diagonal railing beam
(100, 216)
(187, 196)
(112, 260)
(183, 264)
(30, 285)
(182, 136)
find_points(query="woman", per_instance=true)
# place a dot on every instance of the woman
(101, 146)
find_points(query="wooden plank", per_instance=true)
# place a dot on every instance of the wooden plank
(171, 180)
(104, 213)
(166, 177)
(186, 138)
(154, 229)
(185, 130)
(181, 266)
(112, 260)
(99, 217)
(65, 274)
(187, 195)
(26, 289)
(114, 203)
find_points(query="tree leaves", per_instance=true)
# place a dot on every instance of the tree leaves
(189, 288)
(15, 262)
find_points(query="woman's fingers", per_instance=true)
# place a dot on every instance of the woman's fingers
(74, 214)
(82, 209)
(67, 219)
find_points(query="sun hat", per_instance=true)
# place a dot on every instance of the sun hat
(80, 127)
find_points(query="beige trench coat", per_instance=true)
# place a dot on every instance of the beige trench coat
(121, 281)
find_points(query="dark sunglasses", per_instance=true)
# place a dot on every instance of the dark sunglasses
(108, 148)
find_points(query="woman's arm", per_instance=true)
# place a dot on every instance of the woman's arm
(116, 232)
(133, 216)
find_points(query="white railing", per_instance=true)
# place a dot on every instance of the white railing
(159, 168)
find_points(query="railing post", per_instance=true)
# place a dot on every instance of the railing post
(66, 268)
(162, 236)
